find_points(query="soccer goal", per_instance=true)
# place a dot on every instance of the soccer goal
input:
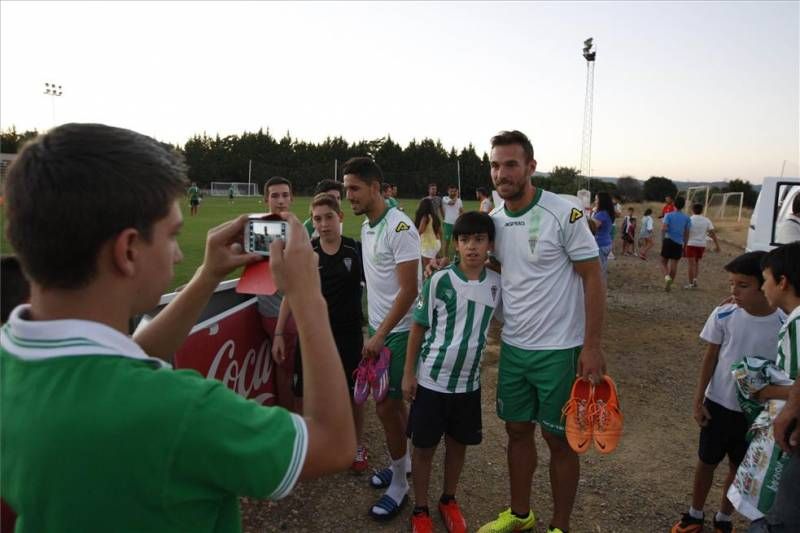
(697, 195)
(726, 205)
(221, 188)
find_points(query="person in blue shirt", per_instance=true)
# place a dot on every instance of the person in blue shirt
(604, 221)
(675, 232)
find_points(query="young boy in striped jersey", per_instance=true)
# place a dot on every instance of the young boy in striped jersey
(782, 289)
(442, 368)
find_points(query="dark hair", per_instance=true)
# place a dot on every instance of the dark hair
(329, 185)
(365, 168)
(74, 188)
(604, 203)
(630, 209)
(451, 186)
(507, 138)
(697, 208)
(483, 191)
(14, 288)
(386, 186)
(680, 203)
(748, 264)
(473, 223)
(277, 180)
(796, 204)
(325, 199)
(783, 261)
(648, 211)
(424, 209)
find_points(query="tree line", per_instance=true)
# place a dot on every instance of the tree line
(261, 155)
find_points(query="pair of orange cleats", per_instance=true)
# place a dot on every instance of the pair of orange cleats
(593, 415)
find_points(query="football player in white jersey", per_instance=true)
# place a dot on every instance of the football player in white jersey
(554, 301)
(391, 247)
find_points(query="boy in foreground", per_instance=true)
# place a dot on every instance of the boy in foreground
(99, 434)
(746, 327)
(442, 376)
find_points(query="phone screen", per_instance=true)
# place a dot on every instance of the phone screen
(263, 232)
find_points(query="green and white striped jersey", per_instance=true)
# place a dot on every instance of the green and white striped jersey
(789, 344)
(456, 312)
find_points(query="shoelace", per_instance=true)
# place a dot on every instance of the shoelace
(598, 412)
(360, 453)
(584, 415)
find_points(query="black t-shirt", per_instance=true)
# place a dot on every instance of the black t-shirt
(340, 277)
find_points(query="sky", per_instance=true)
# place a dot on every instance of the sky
(689, 90)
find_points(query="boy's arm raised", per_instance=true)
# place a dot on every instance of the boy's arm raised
(164, 335)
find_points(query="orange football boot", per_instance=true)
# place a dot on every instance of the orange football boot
(578, 423)
(606, 416)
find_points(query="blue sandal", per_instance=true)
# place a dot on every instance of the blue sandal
(384, 478)
(391, 507)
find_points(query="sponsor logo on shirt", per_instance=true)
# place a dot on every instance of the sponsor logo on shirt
(574, 215)
(515, 223)
(348, 263)
(402, 226)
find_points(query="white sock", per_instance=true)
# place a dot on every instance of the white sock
(399, 487)
(722, 517)
(694, 513)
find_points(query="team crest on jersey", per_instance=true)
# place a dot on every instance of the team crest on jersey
(420, 302)
(575, 214)
(494, 292)
(348, 263)
(402, 226)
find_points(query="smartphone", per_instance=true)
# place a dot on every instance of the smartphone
(259, 234)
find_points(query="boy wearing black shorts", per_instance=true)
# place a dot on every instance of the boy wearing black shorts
(748, 326)
(442, 374)
(341, 272)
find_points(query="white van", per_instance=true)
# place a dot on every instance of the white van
(774, 205)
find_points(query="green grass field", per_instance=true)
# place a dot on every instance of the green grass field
(216, 210)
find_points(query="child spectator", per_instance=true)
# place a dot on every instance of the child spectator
(604, 223)
(646, 234)
(782, 289)
(676, 232)
(628, 233)
(430, 230)
(701, 228)
(746, 327)
(442, 375)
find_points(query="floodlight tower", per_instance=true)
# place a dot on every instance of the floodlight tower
(589, 54)
(53, 90)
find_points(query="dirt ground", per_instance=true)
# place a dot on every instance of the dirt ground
(653, 352)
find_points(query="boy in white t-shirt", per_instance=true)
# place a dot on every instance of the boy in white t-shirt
(696, 246)
(747, 327)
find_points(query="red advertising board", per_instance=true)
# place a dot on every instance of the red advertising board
(233, 348)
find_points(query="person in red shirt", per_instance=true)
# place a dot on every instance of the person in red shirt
(669, 206)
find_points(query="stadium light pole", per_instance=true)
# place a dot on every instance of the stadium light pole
(589, 55)
(53, 90)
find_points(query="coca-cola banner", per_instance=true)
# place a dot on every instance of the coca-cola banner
(232, 348)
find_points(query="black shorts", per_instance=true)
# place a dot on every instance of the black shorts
(195, 202)
(348, 343)
(724, 435)
(671, 249)
(436, 413)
